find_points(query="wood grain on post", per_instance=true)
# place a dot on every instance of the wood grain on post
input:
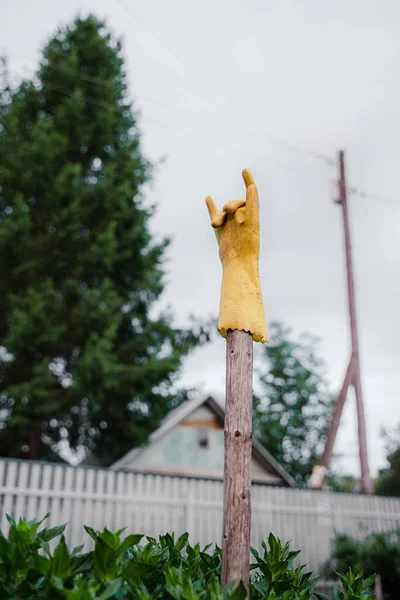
(378, 588)
(237, 466)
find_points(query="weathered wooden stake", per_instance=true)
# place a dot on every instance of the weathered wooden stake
(237, 466)
(378, 588)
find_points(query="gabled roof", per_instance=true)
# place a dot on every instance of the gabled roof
(184, 410)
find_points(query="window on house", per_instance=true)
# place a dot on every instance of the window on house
(202, 437)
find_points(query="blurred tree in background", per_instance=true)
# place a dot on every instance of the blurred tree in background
(83, 365)
(376, 553)
(292, 406)
(343, 483)
(388, 481)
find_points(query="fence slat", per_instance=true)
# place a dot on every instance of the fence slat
(45, 499)
(8, 503)
(21, 501)
(56, 508)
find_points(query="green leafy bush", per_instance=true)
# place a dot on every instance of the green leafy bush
(154, 569)
(377, 553)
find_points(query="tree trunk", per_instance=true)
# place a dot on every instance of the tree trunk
(34, 442)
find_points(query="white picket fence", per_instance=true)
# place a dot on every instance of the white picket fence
(155, 504)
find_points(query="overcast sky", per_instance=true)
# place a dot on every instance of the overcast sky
(223, 85)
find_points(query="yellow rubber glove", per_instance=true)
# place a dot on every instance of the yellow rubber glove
(237, 227)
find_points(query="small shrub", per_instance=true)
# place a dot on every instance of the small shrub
(377, 553)
(143, 568)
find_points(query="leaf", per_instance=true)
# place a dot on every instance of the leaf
(111, 589)
(182, 541)
(254, 552)
(61, 562)
(49, 534)
(320, 596)
(36, 524)
(5, 546)
(42, 564)
(81, 563)
(239, 593)
(91, 532)
(111, 539)
(151, 540)
(369, 582)
(104, 560)
(215, 590)
(343, 580)
(283, 586)
(57, 583)
(77, 550)
(339, 595)
(129, 541)
(137, 571)
(349, 576)
(46, 547)
(11, 520)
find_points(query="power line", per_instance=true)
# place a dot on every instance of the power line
(88, 99)
(108, 106)
(215, 143)
(81, 75)
(328, 160)
(104, 83)
(373, 197)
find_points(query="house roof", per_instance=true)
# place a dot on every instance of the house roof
(184, 410)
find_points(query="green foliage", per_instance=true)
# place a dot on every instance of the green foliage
(277, 577)
(354, 587)
(292, 411)
(388, 481)
(164, 569)
(377, 553)
(83, 364)
(343, 483)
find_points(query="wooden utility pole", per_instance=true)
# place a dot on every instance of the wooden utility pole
(237, 465)
(353, 375)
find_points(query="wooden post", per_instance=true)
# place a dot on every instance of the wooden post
(378, 588)
(237, 465)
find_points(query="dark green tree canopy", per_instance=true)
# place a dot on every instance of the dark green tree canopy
(82, 362)
(292, 405)
(388, 481)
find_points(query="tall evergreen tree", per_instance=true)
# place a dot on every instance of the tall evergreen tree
(82, 362)
(292, 406)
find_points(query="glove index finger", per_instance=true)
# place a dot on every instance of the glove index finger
(217, 216)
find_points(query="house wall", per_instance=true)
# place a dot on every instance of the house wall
(180, 451)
